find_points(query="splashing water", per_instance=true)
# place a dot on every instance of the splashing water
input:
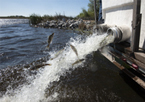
(35, 91)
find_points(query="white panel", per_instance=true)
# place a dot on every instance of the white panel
(118, 12)
(111, 3)
(119, 16)
(142, 35)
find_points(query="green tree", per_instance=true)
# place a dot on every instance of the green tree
(90, 12)
(91, 7)
(35, 19)
(85, 13)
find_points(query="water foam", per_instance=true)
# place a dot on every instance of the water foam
(35, 91)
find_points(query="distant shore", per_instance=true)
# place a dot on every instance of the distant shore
(14, 17)
(79, 25)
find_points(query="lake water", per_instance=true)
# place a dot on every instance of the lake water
(22, 48)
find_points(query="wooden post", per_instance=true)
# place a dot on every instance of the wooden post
(95, 12)
(136, 25)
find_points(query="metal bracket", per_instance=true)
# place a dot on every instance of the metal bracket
(139, 21)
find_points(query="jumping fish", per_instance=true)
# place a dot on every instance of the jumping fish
(57, 54)
(78, 61)
(50, 39)
(74, 49)
(39, 65)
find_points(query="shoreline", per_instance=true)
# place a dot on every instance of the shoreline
(14, 18)
(81, 26)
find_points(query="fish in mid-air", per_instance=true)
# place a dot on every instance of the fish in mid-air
(39, 66)
(74, 49)
(50, 40)
(78, 61)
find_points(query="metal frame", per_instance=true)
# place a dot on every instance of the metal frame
(136, 26)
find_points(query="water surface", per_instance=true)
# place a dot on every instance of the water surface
(93, 80)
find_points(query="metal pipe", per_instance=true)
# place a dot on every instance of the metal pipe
(120, 33)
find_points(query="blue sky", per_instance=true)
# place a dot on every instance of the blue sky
(42, 7)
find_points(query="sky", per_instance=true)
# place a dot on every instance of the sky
(42, 7)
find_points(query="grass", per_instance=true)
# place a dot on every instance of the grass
(35, 19)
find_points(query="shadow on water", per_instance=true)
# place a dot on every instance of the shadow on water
(87, 83)
(136, 87)
(96, 81)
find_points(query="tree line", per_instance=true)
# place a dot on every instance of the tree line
(85, 14)
(89, 14)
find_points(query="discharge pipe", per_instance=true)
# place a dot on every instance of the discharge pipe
(120, 34)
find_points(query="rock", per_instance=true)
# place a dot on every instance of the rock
(53, 21)
(88, 22)
(52, 25)
(66, 24)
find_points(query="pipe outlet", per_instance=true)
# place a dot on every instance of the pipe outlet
(120, 33)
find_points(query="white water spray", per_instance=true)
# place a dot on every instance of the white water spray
(35, 92)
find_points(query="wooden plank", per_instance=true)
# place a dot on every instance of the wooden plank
(131, 75)
(140, 64)
(133, 60)
(140, 56)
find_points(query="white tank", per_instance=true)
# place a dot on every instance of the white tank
(120, 13)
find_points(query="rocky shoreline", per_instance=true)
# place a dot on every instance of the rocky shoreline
(80, 24)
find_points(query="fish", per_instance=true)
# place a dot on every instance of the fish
(49, 40)
(57, 54)
(74, 49)
(78, 61)
(39, 65)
